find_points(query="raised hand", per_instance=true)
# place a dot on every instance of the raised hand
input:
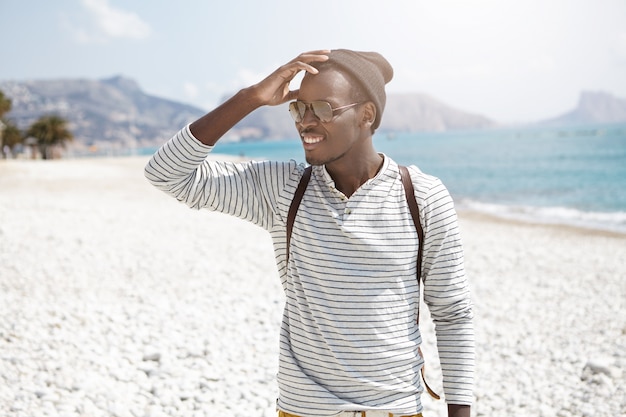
(274, 89)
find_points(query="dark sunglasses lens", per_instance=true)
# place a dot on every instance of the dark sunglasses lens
(297, 109)
(322, 110)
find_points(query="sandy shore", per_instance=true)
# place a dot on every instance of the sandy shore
(116, 300)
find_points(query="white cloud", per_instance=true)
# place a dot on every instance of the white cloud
(190, 90)
(246, 77)
(105, 22)
(213, 87)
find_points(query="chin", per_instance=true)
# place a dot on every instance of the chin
(313, 161)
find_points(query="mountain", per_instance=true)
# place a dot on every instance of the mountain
(112, 112)
(421, 112)
(593, 107)
(116, 113)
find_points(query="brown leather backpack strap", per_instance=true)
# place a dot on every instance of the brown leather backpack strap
(409, 194)
(295, 203)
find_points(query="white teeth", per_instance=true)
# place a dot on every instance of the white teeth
(312, 139)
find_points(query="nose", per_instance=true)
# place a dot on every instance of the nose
(308, 118)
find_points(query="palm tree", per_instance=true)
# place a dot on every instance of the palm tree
(50, 131)
(10, 137)
(5, 104)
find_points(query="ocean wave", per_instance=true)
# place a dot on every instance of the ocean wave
(606, 221)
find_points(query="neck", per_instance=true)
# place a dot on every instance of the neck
(349, 177)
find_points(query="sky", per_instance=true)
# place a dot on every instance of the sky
(509, 60)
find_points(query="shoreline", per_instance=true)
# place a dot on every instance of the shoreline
(478, 215)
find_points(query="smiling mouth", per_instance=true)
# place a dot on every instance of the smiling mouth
(311, 139)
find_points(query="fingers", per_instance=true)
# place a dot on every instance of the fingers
(317, 52)
(302, 63)
(274, 89)
(292, 95)
(303, 60)
(319, 55)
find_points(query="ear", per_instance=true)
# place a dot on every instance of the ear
(369, 114)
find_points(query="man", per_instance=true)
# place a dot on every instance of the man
(349, 337)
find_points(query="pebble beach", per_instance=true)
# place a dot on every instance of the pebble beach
(116, 300)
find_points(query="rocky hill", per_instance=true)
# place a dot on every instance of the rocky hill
(593, 107)
(421, 112)
(113, 112)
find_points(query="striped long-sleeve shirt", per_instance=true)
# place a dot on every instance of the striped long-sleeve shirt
(349, 337)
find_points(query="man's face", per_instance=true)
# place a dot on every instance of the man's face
(337, 141)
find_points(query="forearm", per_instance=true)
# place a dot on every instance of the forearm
(455, 344)
(456, 410)
(174, 168)
(211, 127)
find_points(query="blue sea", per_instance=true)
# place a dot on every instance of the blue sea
(559, 175)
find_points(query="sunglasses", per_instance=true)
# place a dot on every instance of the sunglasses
(321, 109)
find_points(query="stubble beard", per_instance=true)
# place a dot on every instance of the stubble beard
(319, 162)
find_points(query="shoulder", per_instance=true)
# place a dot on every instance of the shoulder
(285, 176)
(423, 183)
(431, 194)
